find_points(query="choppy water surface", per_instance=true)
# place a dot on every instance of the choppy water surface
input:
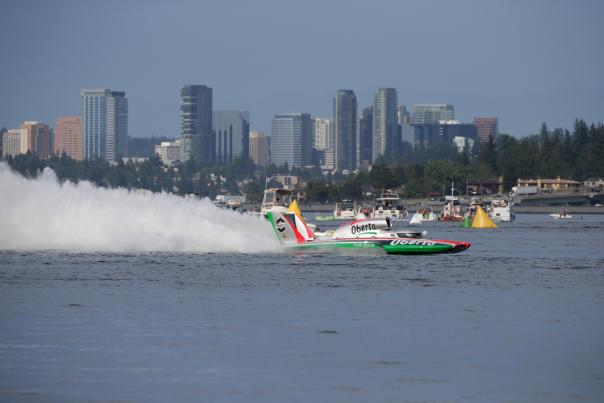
(518, 317)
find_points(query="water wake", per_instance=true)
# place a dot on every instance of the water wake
(43, 214)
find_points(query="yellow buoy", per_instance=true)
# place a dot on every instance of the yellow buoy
(482, 220)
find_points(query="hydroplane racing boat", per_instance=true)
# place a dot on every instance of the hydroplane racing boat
(376, 234)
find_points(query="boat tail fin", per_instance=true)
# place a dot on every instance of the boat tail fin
(284, 225)
(294, 208)
(299, 221)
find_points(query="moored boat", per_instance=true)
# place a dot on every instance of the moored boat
(561, 215)
(500, 210)
(389, 205)
(324, 218)
(347, 210)
(423, 214)
(473, 206)
(452, 210)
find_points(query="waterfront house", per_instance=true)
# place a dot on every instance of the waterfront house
(551, 185)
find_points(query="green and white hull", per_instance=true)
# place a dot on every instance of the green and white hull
(388, 246)
(362, 235)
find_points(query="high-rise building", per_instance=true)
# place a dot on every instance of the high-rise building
(11, 142)
(426, 134)
(366, 137)
(406, 130)
(196, 123)
(322, 133)
(94, 123)
(68, 137)
(104, 124)
(487, 127)
(259, 148)
(117, 126)
(408, 136)
(323, 143)
(168, 151)
(345, 130)
(424, 114)
(385, 126)
(232, 135)
(402, 115)
(35, 138)
(291, 139)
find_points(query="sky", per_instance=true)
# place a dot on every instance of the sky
(525, 62)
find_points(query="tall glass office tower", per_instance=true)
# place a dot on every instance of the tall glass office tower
(196, 123)
(366, 136)
(232, 135)
(105, 124)
(291, 139)
(117, 126)
(345, 129)
(385, 124)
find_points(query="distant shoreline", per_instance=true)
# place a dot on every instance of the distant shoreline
(413, 205)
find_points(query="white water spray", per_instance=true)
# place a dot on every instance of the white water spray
(43, 214)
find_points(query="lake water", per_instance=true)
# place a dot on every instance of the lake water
(519, 317)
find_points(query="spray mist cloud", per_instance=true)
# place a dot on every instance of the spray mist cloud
(44, 214)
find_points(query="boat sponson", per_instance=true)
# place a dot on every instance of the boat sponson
(389, 246)
(431, 247)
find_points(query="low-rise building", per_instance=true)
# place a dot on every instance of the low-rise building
(259, 148)
(11, 142)
(596, 184)
(487, 127)
(551, 185)
(169, 151)
(485, 186)
(288, 181)
(31, 136)
(37, 138)
(68, 137)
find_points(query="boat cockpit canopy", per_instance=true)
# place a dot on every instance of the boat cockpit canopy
(277, 197)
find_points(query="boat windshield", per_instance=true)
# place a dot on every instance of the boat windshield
(277, 197)
(415, 235)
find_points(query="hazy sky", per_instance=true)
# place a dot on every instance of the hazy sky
(522, 61)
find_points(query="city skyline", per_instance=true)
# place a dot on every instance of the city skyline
(527, 63)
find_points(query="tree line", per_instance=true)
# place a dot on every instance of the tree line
(415, 171)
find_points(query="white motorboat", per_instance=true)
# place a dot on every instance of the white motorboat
(347, 211)
(500, 210)
(389, 205)
(561, 215)
(423, 214)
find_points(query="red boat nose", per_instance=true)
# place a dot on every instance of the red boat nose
(460, 246)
